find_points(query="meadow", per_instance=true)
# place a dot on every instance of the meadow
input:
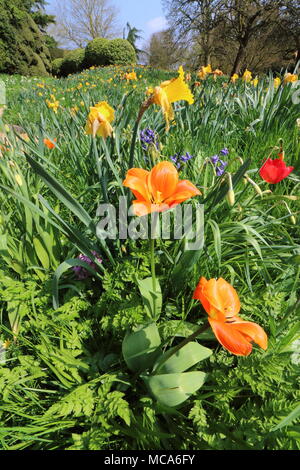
(82, 339)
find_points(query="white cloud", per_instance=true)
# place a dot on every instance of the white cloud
(157, 24)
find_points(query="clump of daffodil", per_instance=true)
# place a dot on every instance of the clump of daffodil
(167, 93)
(247, 77)
(217, 73)
(99, 120)
(204, 71)
(130, 76)
(290, 78)
(234, 78)
(277, 82)
(54, 104)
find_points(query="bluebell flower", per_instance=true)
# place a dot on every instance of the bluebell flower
(224, 152)
(185, 158)
(148, 137)
(215, 159)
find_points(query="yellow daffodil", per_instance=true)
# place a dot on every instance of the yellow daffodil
(247, 77)
(131, 76)
(99, 119)
(217, 73)
(204, 71)
(170, 91)
(277, 82)
(290, 78)
(254, 82)
(53, 105)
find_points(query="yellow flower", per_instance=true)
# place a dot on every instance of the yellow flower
(40, 85)
(247, 77)
(290, 78)
(254, 82)
(170, 91)
(277, 82)
(99, 119)
(53, 105)
(217, 73)
(204, 71)
(131, 76)
(6, 344)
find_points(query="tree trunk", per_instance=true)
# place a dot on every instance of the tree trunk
(239, 57)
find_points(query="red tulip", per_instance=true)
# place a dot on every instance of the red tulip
(274, 171)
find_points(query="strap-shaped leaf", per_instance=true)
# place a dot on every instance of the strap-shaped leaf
(140, 348)
(62, 268)
(183, 359)
(174, 389)
(62, 194)
(152, 300)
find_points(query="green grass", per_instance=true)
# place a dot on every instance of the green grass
(63, 380)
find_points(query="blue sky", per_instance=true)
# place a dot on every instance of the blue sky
(146, 15)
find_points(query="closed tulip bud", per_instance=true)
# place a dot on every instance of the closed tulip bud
(230, 195)
(18, 179)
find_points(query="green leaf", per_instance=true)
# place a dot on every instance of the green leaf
(152, 300)
(62, 268)
(41, 253)
(288, 419)
(182, 329)
(140, 348)
(174, 389)
(183, 359)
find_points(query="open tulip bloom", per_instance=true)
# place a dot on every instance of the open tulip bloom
(220, 300)
(274, 171)
(159, 189)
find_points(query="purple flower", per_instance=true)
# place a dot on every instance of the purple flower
(220, 169)
(224, 152)
(148, 137)
(185, 158)
(82, 273)
(215, 159)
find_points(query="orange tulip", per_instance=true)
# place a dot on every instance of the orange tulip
(159, 189)
(220, 300)
(49, 143)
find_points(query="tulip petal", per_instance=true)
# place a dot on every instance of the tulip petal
(136, 180)
(253, 331)
(162, 181)
(274, 171)
(141, 208)
(231, 339)
(184, 190)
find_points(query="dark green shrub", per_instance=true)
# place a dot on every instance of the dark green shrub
(109, 52)
(119, 52)
(22, 48)
(95, 52)
(73, 62)
(56, 66)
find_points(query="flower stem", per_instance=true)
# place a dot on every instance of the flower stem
(153, 275)
(174, 350)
